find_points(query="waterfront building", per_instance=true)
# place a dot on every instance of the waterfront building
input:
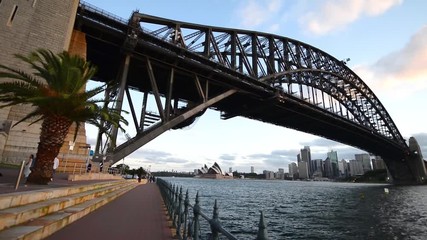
(365, 159)
(343, 168)
(317, 165)
(252, 169)
(356, 168)
(293, 170)
(213, 172)
(333, 157)
(305, 156)
(303, 170)
(280, 174)
(328, 171)
(378, 163)
(268, 174)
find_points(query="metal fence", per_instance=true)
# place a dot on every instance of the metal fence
(187, 223)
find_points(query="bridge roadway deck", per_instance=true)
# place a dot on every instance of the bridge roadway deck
(137, 214)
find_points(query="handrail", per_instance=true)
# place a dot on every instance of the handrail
(186, 228)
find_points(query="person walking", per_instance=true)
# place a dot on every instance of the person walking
(55, 166)
(28, 164)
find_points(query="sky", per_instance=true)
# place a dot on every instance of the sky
(385, 40)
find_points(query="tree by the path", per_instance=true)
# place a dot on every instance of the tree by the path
(57, 92)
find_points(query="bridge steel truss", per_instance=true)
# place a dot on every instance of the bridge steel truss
(187, 68)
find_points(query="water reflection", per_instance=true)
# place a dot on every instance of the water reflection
(314, 210)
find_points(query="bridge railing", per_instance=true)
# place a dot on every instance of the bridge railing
(187, 225)
(100, 11)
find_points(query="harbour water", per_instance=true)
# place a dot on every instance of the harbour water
(313, 210)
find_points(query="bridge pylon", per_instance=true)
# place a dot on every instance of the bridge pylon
(416, 161)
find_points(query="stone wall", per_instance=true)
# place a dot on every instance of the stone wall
(26, 25)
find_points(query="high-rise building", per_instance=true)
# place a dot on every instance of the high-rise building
(252, 169)
(343, 168)
(328, 170)
(280, 174)
(378, 163)
(230, 169)
(333, 157)
(303, 170)
(305, 156)
(365, 159)
(356, 168)
(318, 167)
(293, 170)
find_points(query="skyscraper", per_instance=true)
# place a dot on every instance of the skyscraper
(303, 170)
(293, 170)
(305, 156)
(333, 157)
(378, 163)
(365, 159)
(252, 169)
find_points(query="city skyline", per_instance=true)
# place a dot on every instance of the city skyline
(388, 63)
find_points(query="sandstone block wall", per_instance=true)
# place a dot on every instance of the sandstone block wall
(26, 25)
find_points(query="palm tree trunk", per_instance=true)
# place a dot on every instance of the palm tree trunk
(52, 136)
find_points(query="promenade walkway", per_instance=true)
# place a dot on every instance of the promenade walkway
(137, 214)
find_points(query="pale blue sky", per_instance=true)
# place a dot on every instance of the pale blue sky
(386, 41)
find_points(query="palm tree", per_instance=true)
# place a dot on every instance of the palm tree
(57, 92)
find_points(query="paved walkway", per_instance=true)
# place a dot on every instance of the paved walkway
(137, 214)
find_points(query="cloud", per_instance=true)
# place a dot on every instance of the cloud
(256, 13)
(227, 157)
(403, 70)
(337, 14)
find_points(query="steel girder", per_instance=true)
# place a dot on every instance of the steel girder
(277, 60)
(246, 62)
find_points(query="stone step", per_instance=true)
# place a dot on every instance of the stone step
(43, 227)
(20, 214)
(22, 198)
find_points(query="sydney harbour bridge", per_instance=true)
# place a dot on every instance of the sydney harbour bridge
(185, 68)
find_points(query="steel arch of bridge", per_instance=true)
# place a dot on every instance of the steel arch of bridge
(278, 60)
(222, 63)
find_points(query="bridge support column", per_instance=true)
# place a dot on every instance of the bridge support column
(416, 161)
(121, 94)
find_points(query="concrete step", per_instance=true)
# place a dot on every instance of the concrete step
(40, 219)
(20, 214)
(22, 198)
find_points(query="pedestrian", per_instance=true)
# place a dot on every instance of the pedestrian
(28, 164)
(89, 167)
(55, 166)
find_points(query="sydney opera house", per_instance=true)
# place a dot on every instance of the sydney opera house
(213, 172)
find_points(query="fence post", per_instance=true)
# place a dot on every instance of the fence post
(170, 196)
(174, 204)
(196, 212)
(74, 169)
(186, 203)
(262, 229)
(179, 212)
(214, 222)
